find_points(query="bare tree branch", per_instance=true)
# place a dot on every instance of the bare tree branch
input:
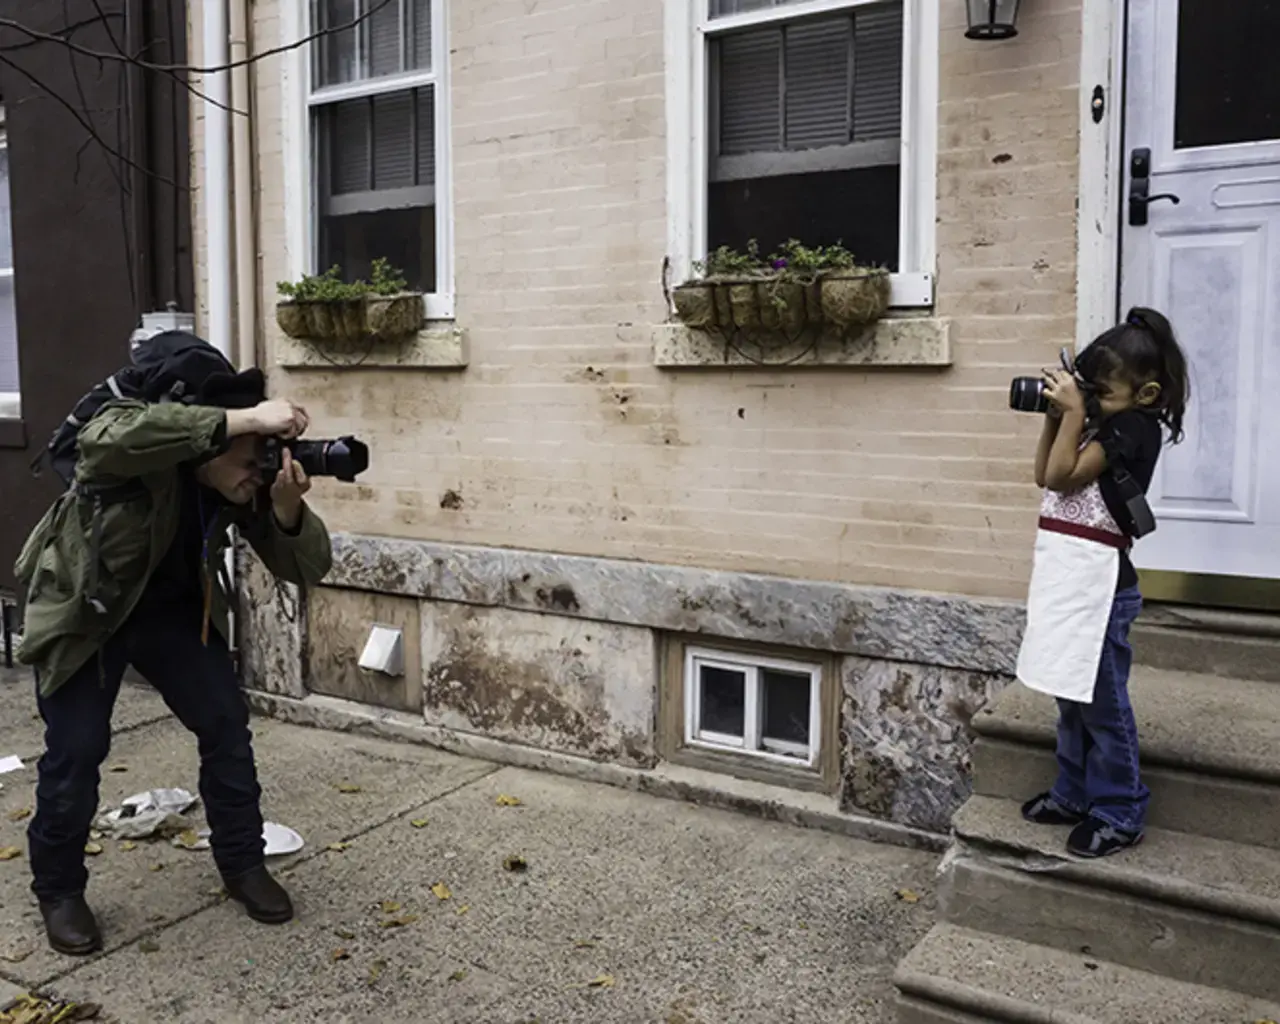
(61, 40)
(87, 126)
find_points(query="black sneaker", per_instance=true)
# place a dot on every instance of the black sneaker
(1045, 810)
(1097, 838)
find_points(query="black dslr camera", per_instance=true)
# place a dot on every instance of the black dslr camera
(1026, 394)
(344, 458)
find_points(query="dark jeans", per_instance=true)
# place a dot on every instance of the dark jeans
(1098, 743)
(199, 685)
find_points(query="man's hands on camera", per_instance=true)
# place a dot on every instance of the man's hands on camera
(290, 484)
(275, 418)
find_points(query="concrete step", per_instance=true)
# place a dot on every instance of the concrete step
(959, 976)
(1238, 645)
(1210, 751)
(1189, 907)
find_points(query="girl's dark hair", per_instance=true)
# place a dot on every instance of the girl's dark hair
(1143, 349)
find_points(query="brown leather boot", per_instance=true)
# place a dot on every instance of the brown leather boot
(263, 897)
(71, 926)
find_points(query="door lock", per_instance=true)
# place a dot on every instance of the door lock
(1140, 188)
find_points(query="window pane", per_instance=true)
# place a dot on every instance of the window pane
(379, 142)
(6, 239)
(393, 37)
(723, 700)
(819, 98)
(722, 8)
(857, 208)
(385, 50)
(785, 703)
(811, 83)
(378, 198)
(336, 54)
(751, 92)
(406, 237)
(1228, 88)
(877, 73)
(8, 339)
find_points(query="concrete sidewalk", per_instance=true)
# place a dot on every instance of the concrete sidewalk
(632, 908)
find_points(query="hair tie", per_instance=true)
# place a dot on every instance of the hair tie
(1133, 320)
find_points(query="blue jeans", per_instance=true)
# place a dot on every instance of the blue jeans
(199, 685)
(1098, 769)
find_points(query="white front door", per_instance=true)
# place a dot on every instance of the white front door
(1203, 97)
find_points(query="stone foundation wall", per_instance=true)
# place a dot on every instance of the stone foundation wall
(563, 654)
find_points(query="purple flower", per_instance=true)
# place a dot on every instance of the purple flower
(780, 263)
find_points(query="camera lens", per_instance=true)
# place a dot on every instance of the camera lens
(1026, 394)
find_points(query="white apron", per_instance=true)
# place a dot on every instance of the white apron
(1073, 585)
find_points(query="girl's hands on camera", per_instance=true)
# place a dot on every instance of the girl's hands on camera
(1063, 393)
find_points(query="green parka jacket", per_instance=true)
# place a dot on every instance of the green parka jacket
(140, 445)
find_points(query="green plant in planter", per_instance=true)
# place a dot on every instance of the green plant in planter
(797, 286)
(324, 307)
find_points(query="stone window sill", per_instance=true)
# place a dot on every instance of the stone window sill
(440, 345)
(905, 341)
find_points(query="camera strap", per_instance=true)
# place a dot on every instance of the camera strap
(1137, 519)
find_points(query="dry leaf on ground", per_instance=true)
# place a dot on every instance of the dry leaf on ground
(908, 895)
(515, 863)
(441, 891)
(189, 837)
(584, 944)
(128, 845)
(93, 849)
(459, 975)
(599, 981)
(21, 814)
(118, 768)
(462, 909)
(339, 954)
(398, 922)
(375, 970)
(10, 853)
(344, 933)
(149, 946)
(419, 823)
(338, 847)
(507, 801)
(157, 867)
(349, 787)
(389, 906)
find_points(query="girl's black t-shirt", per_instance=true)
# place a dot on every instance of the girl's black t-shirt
(1137, 436)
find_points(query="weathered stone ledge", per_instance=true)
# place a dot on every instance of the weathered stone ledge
(438, 346)
(898, 625)
(891, 342)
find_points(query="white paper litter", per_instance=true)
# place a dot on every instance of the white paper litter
(144, 814)
(279, 840)
(11, 763)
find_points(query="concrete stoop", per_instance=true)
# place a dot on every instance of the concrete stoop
(1186, 927)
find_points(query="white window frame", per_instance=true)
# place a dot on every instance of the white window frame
(302, 173)
(10, 401)
(750, 744)
(688, 31)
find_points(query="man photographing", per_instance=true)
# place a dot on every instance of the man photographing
(123, 570)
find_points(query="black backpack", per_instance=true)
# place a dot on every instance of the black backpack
(167, 367)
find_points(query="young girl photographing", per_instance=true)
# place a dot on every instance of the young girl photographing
(1102, 437)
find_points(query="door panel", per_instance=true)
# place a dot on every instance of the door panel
(1211, 263)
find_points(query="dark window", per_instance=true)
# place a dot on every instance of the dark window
(806, 120)
(724, 700)
(1228, 85)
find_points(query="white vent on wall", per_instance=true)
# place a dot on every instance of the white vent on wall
(384, 651)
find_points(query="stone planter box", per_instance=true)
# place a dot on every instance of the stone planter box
(374, 316)
(844, 298)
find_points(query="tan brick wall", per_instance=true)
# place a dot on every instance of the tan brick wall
(563, 436)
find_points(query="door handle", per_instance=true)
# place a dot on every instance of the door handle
(1140, 187)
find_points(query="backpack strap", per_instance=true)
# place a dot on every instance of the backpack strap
(102, 495)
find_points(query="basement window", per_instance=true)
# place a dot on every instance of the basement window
(761, 707)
